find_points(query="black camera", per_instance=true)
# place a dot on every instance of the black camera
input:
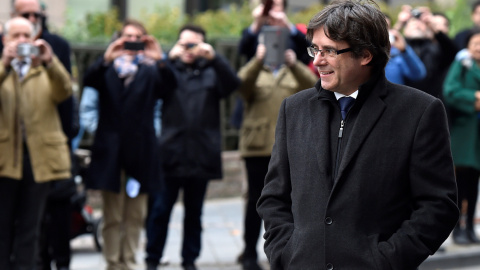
(134, 45)
(416, 13)
(26, 50)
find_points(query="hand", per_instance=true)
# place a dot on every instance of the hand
(205, 50)
(290, 57)
(152, 48)
(9, 53)
(114, 50)
(45, 53)
(261, 51)
(403, 16)
(477, 101)
(278, 18)
(258, 19)
(176, 51)
(399, 42)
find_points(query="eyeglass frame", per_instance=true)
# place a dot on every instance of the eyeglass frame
(312, 51)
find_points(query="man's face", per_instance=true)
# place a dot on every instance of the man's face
(416, 29)
(30, 10)
(342, 73)
(189, 40)
(132, 34)
(20, 31)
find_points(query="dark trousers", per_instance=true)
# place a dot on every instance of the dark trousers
(467, 184)
(55, 235)
(23, 202)
(159, 216)
(257, 168)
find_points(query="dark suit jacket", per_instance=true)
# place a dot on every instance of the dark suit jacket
(393, 202)
(125, 137)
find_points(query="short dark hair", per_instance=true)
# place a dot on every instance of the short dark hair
(475, 5)
(360, 23)
(134, 23)
(193, 28)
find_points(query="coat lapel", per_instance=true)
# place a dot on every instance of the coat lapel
(319, 117)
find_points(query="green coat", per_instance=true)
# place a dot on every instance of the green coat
(460, 85)
(262, 93)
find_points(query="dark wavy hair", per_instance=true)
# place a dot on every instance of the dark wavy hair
(360, 23)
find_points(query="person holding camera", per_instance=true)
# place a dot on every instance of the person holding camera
(33, 147)
(190, 140)
(429, 39)
(262, 90)
(404, 62)
(130, 77)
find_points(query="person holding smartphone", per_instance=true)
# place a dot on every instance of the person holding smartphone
(125, 157)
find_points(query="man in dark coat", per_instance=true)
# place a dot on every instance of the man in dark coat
(125, 158)
(372, 187)
(191, 141)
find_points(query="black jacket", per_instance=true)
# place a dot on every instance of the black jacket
(125, 137)
(191, 140)
(393, 201)
(437, 56)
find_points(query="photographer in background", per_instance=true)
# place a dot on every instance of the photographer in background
(190, 141)
(427, 34)
(33, 147)
(268, 13)
(55, 232)
(130, 78)
(404, 62)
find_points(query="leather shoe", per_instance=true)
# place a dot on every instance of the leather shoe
(250, 264)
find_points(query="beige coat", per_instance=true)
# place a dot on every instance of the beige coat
(33, 102)
(263, 94)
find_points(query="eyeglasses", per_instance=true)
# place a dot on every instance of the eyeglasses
(27, 15)
(332, 53)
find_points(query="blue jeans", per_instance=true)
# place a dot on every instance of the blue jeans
(159, 216)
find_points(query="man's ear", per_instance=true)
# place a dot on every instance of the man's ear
(366, 57)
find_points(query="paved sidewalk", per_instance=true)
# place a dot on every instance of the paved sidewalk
(222, 243)
(221, 240)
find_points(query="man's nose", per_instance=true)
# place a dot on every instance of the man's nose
(319, 59)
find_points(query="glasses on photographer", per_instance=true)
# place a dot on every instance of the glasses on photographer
(27, 15)
(332, 53)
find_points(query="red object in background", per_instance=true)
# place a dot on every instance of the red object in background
(303, 28)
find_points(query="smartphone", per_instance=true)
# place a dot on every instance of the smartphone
(266, 9)
(134, 45)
